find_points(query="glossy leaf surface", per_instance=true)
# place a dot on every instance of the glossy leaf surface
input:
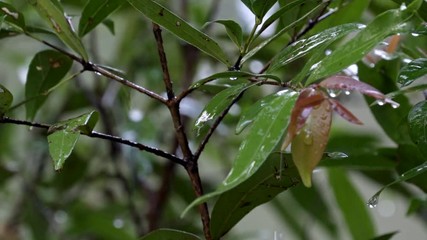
(271, 179)
(233, 29)
(386, 24)
(259, 7)
(64, 135)
(46, 70)
(304, 46)
(95, 12)
(169, 234)
(265, 133)
(176, 25)
(10, 15)
(309, 144)
(6, 99)
(218, 104)
(351, 204)
(54, 15)
(412, 71)
(417, 120)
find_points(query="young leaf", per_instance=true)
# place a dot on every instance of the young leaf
(344, 112)
(176, 25)
(233, 29)
(267, 130)
(6, 99)
(351, 204)
(54, 15)
(169, 234)
(417, 120)
(386, 24)
(309, 144)
(412, 71)
(64, 135)
(95, 12)
(218, 104)
(305, 46)
(270, 180)
(259, 7)
(10, 15)
(46, 70)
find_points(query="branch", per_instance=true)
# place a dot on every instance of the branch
(94, 134)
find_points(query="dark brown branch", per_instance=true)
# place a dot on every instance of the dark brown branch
(94, 134)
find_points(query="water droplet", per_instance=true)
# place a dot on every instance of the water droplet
(347, 92)
(373, 201)
(118, 223)
(233, 78)
(415, 34)
(337, 155)
(403, 7)
(178, 23)
(328, 52)
(98, 73)
(308, 138)
(333, 93)
(380, 102)
(394, 105)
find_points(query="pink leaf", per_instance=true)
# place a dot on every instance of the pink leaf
(351, 84)
(344, 112)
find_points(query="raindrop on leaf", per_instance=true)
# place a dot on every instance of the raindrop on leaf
(373, 201)
(337, 155)
(233, 78)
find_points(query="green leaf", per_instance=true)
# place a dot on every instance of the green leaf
(54, 15)
(46, 70)
(351, 204)
(169, 234)
(6, 99)
(412, 173)
(417, 120)
(95, 12)
(270, 179)
(250, 114)
(218, 104)
(259, 7)
(385, 24)
(386, 236)
(176, 25)
(305, 46)
(412, 71)
(266, 132)
(413, 158)
(233, 29)
(63, 136)
(13, 17)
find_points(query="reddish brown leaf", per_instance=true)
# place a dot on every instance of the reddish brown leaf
(347, 83)
(309, 144)
(344, 112)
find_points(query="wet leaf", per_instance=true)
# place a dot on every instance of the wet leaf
(46, 70)
(6, 99)
(55, 16)
(265, 133)
(176, 25)
(270, 179)
(233, 29)
(259, 7)
(388, 23)
(309, 144)
(304, 46)
(344, 112)
(169, 234)
(95, 12)
(412, 71)
(351, 205)
(218, 104)
(417, 120)
(63, 136)
(13, 17)
(232, 75)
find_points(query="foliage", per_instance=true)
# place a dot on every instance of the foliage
(119, 138)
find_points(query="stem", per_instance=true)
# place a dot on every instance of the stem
(247, 45)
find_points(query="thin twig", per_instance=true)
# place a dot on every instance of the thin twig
(95, 134)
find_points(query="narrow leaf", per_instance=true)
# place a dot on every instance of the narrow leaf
(46, 70)
(417, 120)
(54, 15)
(218, 104)
(386, 236)
(267, 130)
(270, 180)
(63, 136)
(351, 204)
(386, 24)
(304, 46)
(344, 112)
(233, 29)
(176, 25)
(259, 7)
(309, 144)
(95, 12)
(412, 71)
(6, 99)
(169, 234)
(10, 15)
